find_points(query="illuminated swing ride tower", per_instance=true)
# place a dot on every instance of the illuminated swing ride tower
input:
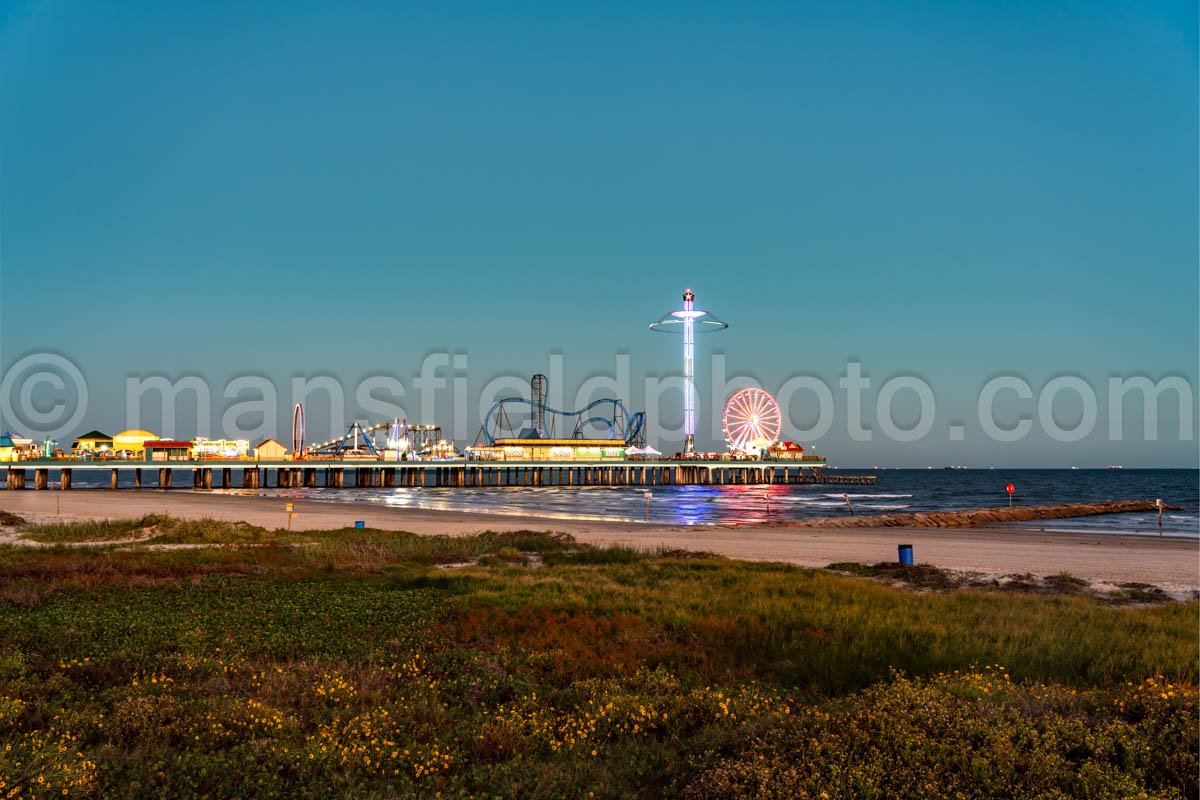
(689, 321)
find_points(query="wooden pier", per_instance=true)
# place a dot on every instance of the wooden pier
(426, 474)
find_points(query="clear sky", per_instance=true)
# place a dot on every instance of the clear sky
(952, 191)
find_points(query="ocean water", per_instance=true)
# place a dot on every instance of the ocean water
(896, 491)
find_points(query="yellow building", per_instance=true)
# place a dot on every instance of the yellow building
(133, 440)
(21, 447)
(550, 450)
(94, 442)
(270, 450)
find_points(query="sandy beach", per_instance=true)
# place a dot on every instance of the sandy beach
(1171, 563)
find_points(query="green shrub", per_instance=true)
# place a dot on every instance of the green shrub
(973, 735)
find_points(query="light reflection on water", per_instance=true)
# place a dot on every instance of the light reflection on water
(896, 491)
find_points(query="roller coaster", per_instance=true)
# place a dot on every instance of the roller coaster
(410, 442)
(619, 423)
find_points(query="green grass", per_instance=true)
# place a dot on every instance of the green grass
(108, 530)
(158, 528)
(611, 554)
(363, 663)
(832, 634)
(926, 576)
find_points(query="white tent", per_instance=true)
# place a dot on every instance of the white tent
(641, 451)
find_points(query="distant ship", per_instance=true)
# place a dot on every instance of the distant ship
(1115, 466)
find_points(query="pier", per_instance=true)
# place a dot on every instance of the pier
(349, 474)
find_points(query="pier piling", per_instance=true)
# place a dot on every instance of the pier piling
(332, 474)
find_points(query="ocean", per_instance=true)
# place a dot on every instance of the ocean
(896, 491)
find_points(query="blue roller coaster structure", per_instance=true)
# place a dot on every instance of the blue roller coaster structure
(620, 423)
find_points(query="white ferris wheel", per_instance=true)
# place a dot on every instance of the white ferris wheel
(751, 420)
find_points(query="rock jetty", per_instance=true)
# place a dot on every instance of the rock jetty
(981, 516)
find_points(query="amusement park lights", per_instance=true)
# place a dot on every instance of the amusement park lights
(689, 321)
(751, 421)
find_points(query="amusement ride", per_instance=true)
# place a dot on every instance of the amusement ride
(689, 321)
(751, 421)
(618, 424)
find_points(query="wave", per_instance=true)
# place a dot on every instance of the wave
(688, 505)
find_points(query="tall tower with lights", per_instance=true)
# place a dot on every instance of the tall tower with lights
(689, 321)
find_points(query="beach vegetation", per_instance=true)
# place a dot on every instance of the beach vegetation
(221, 660)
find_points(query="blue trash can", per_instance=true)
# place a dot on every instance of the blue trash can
(906, 554)
(358, 523)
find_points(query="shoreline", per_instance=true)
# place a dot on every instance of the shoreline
(878, 521)
(1170, 562)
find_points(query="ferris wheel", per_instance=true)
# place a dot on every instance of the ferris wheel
(751, 420)
(298, 430)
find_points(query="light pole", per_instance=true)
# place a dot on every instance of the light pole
(689, 321)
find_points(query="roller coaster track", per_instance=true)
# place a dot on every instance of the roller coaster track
(633, 427)
(341, 442)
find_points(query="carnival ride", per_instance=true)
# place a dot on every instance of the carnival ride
(751, 421)
(298, 428)
(537, 393)
(425, 441)
(358, 441)
(618, 422)
(401, 442)
(689, 321)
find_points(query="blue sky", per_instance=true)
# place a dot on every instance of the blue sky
(950, 191)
